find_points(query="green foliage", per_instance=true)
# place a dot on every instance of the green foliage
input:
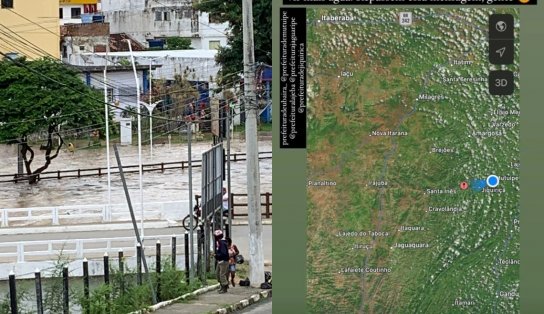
(178, 43)
(4, 304)
(52, 294)
(43, 93)
(23, 296)
(125, 62)
(41, 96)
(99, 301)
(177, 94)
(124, 295)
(172, 281)
(231, 57)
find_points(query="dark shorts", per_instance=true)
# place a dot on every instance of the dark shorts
(232, 267)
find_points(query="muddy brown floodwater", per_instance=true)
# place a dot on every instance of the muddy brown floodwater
(168, 186)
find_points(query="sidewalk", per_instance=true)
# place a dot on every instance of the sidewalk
(211, 301)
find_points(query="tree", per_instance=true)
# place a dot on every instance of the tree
(177, 95)
(178, 43)
(38, 97)
(231, 57)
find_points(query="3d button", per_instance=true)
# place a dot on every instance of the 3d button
(501, 83)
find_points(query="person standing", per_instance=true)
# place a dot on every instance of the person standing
(225, 202)
(233, 252)
(222, 258)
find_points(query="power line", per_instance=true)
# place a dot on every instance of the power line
(83, 112)
(28, 43)
(101, 56)
(25, 18)
(23, 40)
(109, 105)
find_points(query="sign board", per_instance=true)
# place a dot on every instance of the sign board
(405, 18)
(212, 180)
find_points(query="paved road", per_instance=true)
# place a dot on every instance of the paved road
(264, 307)
(240, 236)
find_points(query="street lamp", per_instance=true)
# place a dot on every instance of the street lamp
(150, 108)
(139, 136)
(107, 117)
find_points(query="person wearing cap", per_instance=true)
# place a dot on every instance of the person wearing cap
(222, 258)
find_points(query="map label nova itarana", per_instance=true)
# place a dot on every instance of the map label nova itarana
(413, 165)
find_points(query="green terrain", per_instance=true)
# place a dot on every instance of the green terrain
(429, 83)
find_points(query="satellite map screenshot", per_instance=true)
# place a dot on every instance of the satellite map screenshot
(413, 160)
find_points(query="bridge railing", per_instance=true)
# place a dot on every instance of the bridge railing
(26, 251)
(85, 214)
(87, 172)
(239, 208)
(116, 213)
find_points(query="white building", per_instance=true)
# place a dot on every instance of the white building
(77, 11)
(165, 64)
(120, 84)
(151, 20)
(201, 63)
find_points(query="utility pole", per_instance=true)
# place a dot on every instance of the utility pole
(107, 117)
(138, 105)
(256, 259)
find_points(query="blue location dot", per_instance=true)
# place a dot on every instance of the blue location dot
(492, 181)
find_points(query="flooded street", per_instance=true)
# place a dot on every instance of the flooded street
(171, 185)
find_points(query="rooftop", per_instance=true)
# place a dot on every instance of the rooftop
(191, 53)
(115, 68)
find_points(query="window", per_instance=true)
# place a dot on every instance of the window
(76, 13)
(158, 16)
(60, 13)
(166, 16)
(89, 8)
(7, 4)
(81, 48)
(214, 44)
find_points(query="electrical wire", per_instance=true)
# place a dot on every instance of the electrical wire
(234, 83)
(156, 117)
(39, 49)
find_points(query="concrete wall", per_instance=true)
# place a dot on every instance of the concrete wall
(116, 5)
(138, 18)
(83, 38)
(96, 265)
(67, 14)
(121, 82)
(44, 14)
(204, 66)
(77, 45)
